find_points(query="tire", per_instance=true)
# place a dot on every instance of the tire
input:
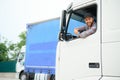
(52, 77)
(23, 76)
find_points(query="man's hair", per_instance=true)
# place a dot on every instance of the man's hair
(88, 15)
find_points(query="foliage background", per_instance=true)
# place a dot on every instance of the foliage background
(9, 50)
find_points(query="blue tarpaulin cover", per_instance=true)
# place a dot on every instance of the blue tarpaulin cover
(41, 46)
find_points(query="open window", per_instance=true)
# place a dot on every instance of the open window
(77, 19)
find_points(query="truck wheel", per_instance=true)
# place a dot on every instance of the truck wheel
(23, 76)
(52, 77)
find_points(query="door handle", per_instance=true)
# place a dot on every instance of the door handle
(94, 65)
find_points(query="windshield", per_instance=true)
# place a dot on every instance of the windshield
(21, 56)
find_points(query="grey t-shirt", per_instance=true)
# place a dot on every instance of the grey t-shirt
(87, 31)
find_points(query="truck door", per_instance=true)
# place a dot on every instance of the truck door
(80, 58)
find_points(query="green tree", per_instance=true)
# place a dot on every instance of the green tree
(3, 52)
(3, 48)
(13, 51)
(15, 48)
(10, 50)
(22, 37)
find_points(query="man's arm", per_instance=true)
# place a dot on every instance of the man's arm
(87, 33)
(78, 30)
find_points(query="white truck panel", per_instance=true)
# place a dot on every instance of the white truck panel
(110, 78)
(110, 20)
(111, 56)
(111, 38)
(74, 58)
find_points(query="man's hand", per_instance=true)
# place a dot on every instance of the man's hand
(76, 31)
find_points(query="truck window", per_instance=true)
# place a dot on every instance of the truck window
(21, 56)
(78, 17)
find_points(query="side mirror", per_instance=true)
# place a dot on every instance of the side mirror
(19, 60)
(63, 19)
(63, 26)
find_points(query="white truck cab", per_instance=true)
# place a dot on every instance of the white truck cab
(97, 56)
(20, 65)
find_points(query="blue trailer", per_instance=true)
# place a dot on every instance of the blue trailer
(41, 43)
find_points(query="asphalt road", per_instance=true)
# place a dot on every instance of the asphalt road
(8, 76)
(8, 79)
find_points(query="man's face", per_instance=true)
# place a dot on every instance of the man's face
(89, 21)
